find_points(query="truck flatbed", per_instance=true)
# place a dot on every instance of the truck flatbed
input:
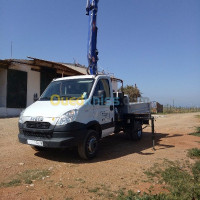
(139, 108)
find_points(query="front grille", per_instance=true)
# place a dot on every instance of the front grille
(36, 134)
(38, 125)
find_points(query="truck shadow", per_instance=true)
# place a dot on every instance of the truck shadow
(111, 147)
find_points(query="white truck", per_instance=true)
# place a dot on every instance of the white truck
(79, 111)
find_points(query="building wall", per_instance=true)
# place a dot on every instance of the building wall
(9, 112)
(159, 108)
(33, 81)
(33, 86)
(3, 87)
(156, 107)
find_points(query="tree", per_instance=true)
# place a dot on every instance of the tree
(132, 91)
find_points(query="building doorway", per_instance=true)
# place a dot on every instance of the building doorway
(16, 89)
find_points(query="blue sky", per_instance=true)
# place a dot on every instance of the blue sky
(153, 43)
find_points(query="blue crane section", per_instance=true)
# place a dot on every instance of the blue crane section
(91, 10)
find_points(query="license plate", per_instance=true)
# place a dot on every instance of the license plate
(34, 142)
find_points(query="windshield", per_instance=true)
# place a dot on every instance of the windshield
(72, 88)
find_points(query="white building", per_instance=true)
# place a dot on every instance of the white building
(21, 81)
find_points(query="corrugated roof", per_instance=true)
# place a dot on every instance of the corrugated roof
(73, 69)
(76, 67)
(80, 70)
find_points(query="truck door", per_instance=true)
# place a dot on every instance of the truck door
(103, 107)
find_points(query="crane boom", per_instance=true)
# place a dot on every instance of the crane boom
(91, 10)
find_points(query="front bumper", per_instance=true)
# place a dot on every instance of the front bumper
(55, 137)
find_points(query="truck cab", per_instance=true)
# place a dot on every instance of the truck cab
(72, 111)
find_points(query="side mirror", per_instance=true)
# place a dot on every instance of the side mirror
(100, 98)
(35, 97)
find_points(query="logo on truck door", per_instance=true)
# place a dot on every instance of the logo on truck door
(105, 114)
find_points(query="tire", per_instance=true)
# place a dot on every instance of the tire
(135, 133)
(36, 148)
(88, 148)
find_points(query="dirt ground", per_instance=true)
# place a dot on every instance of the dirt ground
(120, 163)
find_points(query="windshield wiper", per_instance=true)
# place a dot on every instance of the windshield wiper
(61, 97)
(45, 98)
(68, 97)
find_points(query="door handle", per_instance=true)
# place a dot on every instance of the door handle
(111, 107)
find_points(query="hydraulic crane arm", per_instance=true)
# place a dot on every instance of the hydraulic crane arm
(91, 10)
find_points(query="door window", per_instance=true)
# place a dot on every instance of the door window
(103, 84)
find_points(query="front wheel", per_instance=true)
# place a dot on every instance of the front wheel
(88, 148)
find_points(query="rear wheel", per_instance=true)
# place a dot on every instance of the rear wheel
(135, 133)
(88, 148)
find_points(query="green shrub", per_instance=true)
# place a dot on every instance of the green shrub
(182, 182)
(26, 177)
(194, 153)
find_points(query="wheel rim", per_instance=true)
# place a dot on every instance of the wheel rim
(139, 133)
(92, 145)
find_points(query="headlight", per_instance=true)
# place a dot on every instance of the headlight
(21, 117)
(68, 117)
